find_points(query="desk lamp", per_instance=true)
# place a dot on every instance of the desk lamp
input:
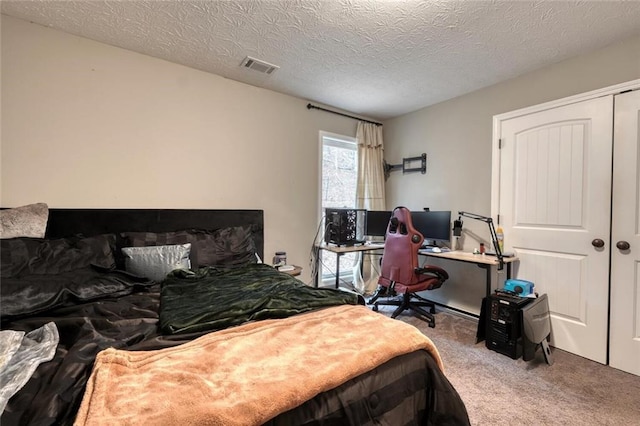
(457, 229)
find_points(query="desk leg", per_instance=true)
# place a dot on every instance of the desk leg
(318, 270)
(488, 279)
(338, 269)
(487, 268)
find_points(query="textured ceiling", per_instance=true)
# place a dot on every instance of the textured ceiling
(375, 58)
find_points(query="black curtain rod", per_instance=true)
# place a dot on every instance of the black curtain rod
(309, 106)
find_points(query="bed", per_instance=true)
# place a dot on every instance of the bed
(226, 340)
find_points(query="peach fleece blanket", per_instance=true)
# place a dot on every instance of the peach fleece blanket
(244, 375)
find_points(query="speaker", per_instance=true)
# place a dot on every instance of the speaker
(344, 226)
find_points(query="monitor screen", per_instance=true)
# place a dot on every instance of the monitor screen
(433, 225)
(376, 223)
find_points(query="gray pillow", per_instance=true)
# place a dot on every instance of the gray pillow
(157, 261)
(25, 221)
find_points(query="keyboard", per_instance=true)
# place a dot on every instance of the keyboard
(429, 249)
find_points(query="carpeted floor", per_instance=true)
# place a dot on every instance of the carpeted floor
(498, 390)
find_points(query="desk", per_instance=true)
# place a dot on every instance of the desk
(481, 260)
(339, 251)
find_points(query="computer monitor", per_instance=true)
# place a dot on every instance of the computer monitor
(376, 223)
(433, 225)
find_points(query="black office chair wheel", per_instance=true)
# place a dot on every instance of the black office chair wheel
(375, 307)
(432, 324)
(433, 309)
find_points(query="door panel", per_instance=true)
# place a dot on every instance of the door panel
(549, 175)
(625, 273)
(554, 199)
(558, 272)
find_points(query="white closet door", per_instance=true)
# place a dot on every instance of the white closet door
(624, 349)
(554, 205)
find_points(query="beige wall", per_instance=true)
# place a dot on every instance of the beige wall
(90, 125)
(456, 135)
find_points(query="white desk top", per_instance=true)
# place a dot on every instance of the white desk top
(352, 249)
(468, 257)
(458, 255)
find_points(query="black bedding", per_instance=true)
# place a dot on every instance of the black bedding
(54, 393)
(74, 282)
(410, 383)
(120, 310)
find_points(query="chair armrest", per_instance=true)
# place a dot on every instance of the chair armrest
(434, 270)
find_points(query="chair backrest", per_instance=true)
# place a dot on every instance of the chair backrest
(400, 257)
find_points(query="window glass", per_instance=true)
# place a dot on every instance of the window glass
(339, 180)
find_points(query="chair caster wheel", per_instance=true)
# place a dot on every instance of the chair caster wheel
(432, 325)
(375, 308)
(432, 310)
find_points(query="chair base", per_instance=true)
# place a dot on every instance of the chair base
(406, 303)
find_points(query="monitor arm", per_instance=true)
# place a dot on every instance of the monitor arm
(492, 231)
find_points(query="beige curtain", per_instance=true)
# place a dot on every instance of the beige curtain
(369, 195)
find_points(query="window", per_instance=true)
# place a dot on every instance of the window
(338, 189)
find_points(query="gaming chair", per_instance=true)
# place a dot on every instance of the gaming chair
(401, 273)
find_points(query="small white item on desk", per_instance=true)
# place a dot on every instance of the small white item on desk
(436, 250)
(286, 268)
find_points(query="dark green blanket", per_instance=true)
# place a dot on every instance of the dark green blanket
(213, 299)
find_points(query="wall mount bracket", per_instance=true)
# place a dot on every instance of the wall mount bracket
(408, 165)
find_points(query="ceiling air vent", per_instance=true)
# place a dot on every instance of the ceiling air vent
(258, 65)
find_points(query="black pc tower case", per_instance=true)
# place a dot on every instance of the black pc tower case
(503, 324)
(344, 227)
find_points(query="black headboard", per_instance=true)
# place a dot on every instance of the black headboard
(68, 222)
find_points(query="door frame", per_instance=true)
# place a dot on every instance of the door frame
(497, 128)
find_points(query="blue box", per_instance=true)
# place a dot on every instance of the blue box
(521, 287)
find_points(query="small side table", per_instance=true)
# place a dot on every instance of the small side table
(297, 270)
